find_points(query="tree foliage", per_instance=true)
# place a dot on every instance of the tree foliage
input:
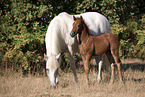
(23, 25)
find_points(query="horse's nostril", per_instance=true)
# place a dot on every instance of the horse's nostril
(72, 34)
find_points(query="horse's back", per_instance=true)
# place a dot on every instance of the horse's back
(111, 36)
(112, 39)
(97, 23)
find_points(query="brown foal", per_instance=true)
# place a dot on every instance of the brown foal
(90, 45)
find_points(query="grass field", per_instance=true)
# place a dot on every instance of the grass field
(15, 85)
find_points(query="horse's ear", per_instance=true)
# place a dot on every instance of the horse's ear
(74, 18)
(81, 17)
(45, 57)
(58, 56)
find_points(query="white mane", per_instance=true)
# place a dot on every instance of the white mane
(57, 36)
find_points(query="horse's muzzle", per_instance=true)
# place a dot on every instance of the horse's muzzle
(72, 34)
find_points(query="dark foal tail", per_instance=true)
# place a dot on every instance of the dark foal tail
(110, 57)
(114, 48)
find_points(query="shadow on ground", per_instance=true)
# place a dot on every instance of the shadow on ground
(133, 66)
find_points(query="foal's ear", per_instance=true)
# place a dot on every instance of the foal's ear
(74, 18)
(81, 18)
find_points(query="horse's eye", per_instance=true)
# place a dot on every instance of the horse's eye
(78, 25)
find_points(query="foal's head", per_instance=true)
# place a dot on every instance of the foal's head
(77, 26)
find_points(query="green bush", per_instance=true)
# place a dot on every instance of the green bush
(132, 39)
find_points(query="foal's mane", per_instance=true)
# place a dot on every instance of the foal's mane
(86, 26)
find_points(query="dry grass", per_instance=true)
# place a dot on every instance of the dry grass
(15, 85)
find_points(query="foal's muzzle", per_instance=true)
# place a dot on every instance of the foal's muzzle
(73, 34)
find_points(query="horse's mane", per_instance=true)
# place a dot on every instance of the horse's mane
(57, 27)
(86, 26)
(88, 30)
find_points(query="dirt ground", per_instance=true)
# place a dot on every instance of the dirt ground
(15, 85)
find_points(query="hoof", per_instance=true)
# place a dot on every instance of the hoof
(98, 80)
(121, 82)
(111, 83)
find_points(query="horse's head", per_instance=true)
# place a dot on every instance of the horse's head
(52, 67)
(77, 26)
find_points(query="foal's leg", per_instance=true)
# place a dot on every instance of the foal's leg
(115, 54)
(87, 67)
(112, 73)
(119, 65)
(111, 60)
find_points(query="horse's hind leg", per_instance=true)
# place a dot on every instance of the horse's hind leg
(119, 65)
(100, 66)
(87, 66)
(111, 60)
(115, 54)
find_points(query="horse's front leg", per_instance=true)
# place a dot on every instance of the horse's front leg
(87, 67)
(73, 67)
(72, 62)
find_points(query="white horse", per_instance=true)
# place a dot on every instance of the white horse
(58, 40)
